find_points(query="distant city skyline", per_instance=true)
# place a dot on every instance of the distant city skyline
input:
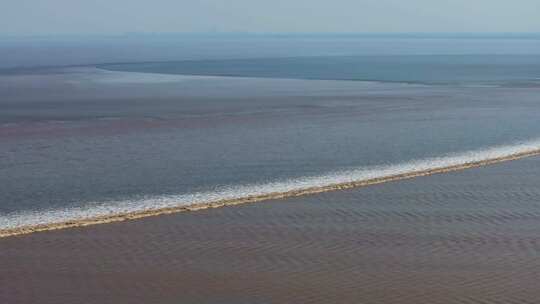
(68, 17)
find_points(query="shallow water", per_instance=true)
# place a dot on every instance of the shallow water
(464, 237)
(80, 138)
(87, 139)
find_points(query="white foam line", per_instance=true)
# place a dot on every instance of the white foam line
(130, 206)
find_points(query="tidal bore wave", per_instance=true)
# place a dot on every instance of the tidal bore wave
(100, 213)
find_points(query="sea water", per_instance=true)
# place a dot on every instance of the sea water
(96, 139)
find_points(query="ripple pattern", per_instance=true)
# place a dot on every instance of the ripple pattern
(464, 237)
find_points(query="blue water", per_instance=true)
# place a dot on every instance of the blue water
(121, 136)
(56, 51)
(427, 69)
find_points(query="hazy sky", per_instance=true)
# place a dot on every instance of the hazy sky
(29, 17)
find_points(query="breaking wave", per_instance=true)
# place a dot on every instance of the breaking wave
(102, 212)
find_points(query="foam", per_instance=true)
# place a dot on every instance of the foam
(105, 212)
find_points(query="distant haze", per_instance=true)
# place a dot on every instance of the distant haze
(43, 17)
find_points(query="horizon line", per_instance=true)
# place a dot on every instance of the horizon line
(447, 34)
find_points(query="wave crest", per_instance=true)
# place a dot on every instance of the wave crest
(105, 212)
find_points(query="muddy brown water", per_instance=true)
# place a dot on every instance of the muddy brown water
(464, 237)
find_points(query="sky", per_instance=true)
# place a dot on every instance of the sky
(44, 17)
